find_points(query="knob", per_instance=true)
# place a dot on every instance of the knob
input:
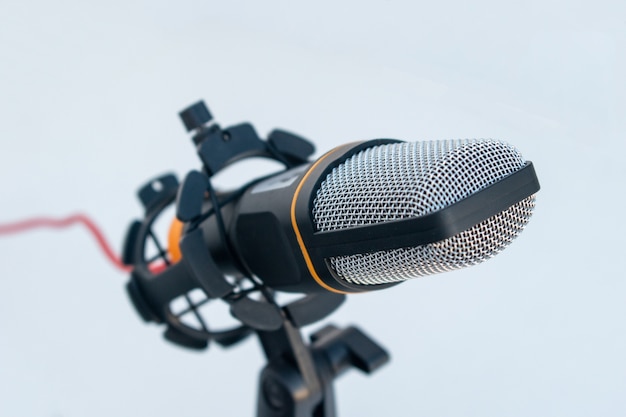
(196, 116)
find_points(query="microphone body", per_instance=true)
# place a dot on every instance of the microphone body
(369, 215)
(363, 217)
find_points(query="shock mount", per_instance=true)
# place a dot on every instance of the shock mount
(297, 380)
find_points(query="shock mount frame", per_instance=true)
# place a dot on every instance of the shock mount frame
(297, 380)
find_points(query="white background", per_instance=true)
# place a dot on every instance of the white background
(89, 96)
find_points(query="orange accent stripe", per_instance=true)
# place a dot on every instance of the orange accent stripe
(173, 239)
(294, 224)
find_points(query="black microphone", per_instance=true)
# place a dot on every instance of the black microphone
(364, 216)
(369, 215)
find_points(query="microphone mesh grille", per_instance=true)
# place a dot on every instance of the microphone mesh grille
(403, 180)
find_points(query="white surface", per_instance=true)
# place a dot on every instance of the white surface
(89, 96)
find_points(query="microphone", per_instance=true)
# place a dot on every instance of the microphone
(369, 215)
(363, 217)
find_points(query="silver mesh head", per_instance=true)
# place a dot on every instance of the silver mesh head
(403, 180)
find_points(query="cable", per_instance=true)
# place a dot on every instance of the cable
(60, 223)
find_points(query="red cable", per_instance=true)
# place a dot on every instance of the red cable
(25, 225)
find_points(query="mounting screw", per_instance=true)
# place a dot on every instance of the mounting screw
(196, 116)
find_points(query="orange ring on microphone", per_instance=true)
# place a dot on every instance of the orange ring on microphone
(294, 224)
